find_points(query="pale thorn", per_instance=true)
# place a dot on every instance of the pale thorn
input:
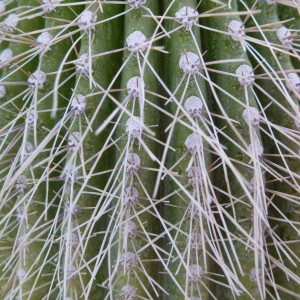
(21, 213)
(285, 36)
(78, 104)
(130, 261)
(134, 128)
(253, 275)
(10, 23)
(293, 82)
(189, 63)
(49, 5)
(195, 177)
(82, 65)
(237, 29)
(128, 292)
(21, 184)
(44, 39)
(37, 79)
(6, 55)
(136, 42)
(271, 2)
(195, 241)
(70, 271)
(195, 273)
(2, 7)
(2, 91)
(130, 230)
(21, 273)
(255, 149)
(193, 105)
(135, 86)
(31, 119)
(187, 16)
(87, 20)
(251, 116)
(74, 140)
(194, 143)
(136, 3)
(252, 184)
(245, 75)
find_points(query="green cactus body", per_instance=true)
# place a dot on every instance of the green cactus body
(149, 150)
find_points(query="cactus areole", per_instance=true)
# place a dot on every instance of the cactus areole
(149, 149)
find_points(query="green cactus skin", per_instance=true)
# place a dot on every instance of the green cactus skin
(208, 213)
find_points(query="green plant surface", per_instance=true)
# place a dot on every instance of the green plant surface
(149, 149)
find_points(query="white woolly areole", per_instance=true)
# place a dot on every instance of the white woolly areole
(135, 86)
(245, 75)
(195, 241)
(128, 292)
(10, 23)
(82, 64)
(130, 261)
(194, 143)
(187, 17)
(136, 3)
(2, 7)
(130, 229)
(87, 20)
(6, 55)
(134, 127)
(131, 196)
(136, 42)
(21, 183)
(37, 79)
(2, 91)
(293, 82)
(193, 105)
(237, 29)
(133, 163)
(253, 274)
(285, 36)
(44, 38)
(251, 116)
(195, 177)
(189, 63)
(70, 209)
(74, 140)
(194, 211)
(21, 273)
(49, 5)
(195, 273)
(78, 104)
(31, 119)
(72, 240)
(28, 147)
(255, 149)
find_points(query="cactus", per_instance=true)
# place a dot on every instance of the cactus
(149, 149)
